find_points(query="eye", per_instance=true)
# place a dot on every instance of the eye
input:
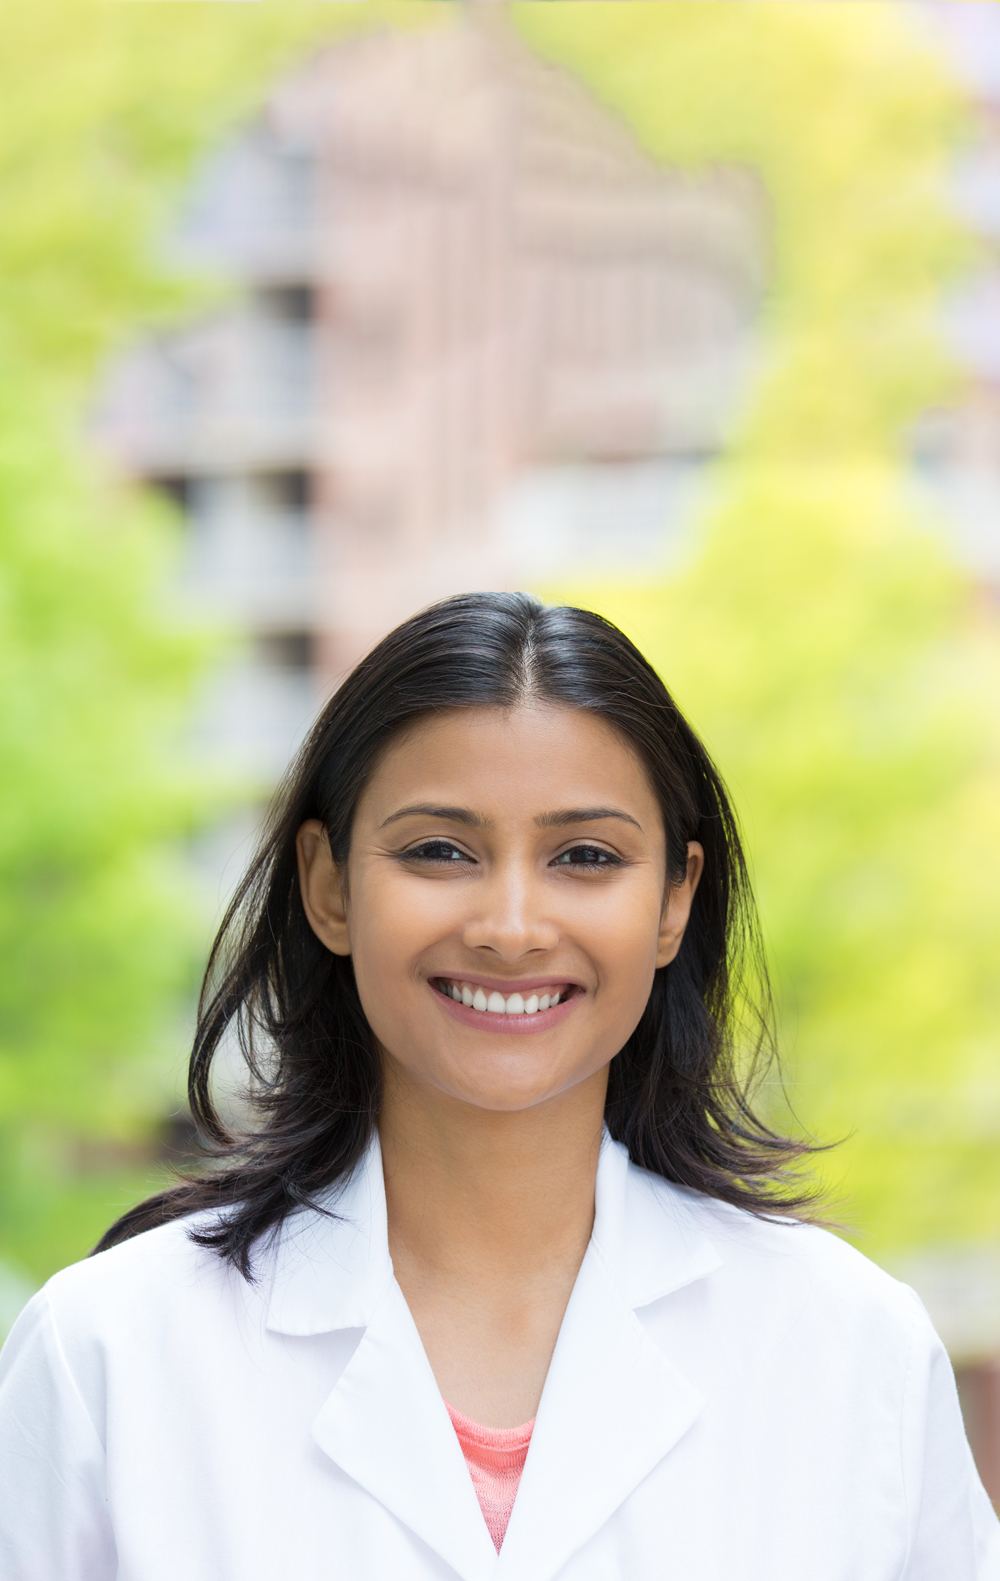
(587, 858)
(439, 852)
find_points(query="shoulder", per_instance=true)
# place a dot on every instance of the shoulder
(770, 1265)
(793, 1313)
(100, 1329)
(134, 1287)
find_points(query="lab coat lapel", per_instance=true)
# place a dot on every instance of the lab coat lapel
(384, 1423)
(613, 1403)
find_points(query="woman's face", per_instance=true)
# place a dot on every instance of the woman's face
(506, 904)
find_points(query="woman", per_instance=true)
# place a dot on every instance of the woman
(507, 1222)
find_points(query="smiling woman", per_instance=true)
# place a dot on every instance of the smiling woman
(535, 916)
(509, 1264)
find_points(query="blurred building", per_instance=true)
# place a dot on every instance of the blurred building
(476, 337)
(957, 448)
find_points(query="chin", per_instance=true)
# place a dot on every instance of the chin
(505, 1102)
(504, 1096)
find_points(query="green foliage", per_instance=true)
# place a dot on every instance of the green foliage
(91, 930)
(105, 108)
(819, 636)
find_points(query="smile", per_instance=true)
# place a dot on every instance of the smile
(475, 997)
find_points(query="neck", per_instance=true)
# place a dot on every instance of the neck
(475, 1194)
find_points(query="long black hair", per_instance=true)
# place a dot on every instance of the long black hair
(680, 1092)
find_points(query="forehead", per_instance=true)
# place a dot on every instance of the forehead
(509, 763)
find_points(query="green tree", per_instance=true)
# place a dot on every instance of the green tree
(105, 107)
(818, 633)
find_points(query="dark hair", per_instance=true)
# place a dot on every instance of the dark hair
(680, 1090)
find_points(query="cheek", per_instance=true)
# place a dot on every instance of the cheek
(624, 938)
(391, 923)
(379, 957)
(379, 950)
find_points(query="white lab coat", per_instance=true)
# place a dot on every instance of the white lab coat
(728, 1401)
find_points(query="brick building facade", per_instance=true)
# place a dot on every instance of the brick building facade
(478, 336)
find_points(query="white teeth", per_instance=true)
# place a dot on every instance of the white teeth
(494, 1002)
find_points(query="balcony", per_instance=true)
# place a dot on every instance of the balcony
(236, 392)
(251, 717)
(252, 212)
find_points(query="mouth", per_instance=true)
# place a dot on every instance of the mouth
(518, 1005)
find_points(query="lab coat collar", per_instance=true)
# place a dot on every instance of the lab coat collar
(329, 1267)
(648, 1232)
(613, 1404)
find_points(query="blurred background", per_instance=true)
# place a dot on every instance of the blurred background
(312, 314)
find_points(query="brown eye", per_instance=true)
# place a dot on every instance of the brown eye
(437, 851)
(587, 856)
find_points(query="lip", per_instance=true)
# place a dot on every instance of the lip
(513, 1026)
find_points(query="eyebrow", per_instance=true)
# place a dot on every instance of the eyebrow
(566, 815)
(545, 820)
(472, 820)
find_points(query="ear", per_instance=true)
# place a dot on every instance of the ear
(677, 906)
(322, 888)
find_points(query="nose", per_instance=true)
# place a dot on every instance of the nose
(511, 916)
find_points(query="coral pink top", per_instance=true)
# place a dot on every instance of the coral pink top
(495, 1457)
